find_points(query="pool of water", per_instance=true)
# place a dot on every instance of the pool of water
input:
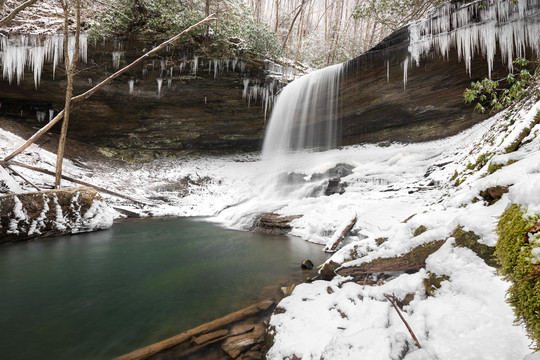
(102, 294)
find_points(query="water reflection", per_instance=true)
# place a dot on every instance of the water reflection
(98, 295)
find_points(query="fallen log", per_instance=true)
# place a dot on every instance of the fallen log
(414, 260)
(48, 172)
(331, 247)
(150, 350)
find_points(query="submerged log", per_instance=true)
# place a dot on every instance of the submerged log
(150, 350)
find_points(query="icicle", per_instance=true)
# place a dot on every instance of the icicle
(216, 68)
(131, 84)
(234, 62)
(169, 82)
(405, 65)
(40, 115)
(145, 71)
(116, 57)
(195, 65)
(387, 71)
(51, 114)
(90, 81)
(245, 90)
(159, 84)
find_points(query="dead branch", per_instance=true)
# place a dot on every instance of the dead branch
(77, 99)
(52, 173)
(338, 241)
(392, 301)
(16, 11)
(22, 177)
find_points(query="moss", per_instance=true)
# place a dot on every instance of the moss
(524, 133)
(458, 182)
(494, 167)
(433, 282)
(514, 255)
(420, 230)
(454, 177)
(470, 166)
(469, 240)
(482, 160)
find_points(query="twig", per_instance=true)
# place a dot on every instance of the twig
(22, 177)
(391, 299)
(52, 173)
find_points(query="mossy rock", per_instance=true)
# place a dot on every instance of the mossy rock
(469, 240)
(514, 253)
(328, 270)
(433, 282)
(493, 194)
(420, 230)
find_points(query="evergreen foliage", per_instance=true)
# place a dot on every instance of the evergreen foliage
(499, 94)
(517, 256)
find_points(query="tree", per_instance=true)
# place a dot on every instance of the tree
(394, 13)
(70, 64)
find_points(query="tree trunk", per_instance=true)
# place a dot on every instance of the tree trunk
(71, 65)
(17, 10)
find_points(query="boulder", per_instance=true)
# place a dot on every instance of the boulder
(52, 213)
(275, 224)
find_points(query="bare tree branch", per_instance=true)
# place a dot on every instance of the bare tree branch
(17, 10)
(392, 301)
(77, 99)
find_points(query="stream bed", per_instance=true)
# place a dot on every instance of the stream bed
(100, 295)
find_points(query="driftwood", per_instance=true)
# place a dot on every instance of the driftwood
(332, 248)
(150, 350)
(414, 260)
(48, 172)
(392, 301)
(77, 99)
(271, 223)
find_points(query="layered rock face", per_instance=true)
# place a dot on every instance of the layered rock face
(410, 87)
(173, 103)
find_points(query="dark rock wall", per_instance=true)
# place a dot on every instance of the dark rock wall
(196, 113)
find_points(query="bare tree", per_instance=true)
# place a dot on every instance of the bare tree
(70, 64)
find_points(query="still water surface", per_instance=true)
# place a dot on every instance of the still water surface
(102, 294)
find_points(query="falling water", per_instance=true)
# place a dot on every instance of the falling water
(305, 114)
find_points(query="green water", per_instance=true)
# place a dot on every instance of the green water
(102, 294)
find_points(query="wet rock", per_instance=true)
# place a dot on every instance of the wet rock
(269, 292)
(287, 290)
(419, 230)
(307, 264)
(328, 270)
(236, 345)
(335, 186)
(275, 224)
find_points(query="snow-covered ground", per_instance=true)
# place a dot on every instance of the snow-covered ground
(467, 319)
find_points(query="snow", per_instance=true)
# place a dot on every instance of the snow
(467, 319)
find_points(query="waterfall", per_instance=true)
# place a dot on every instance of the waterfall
(305, 114)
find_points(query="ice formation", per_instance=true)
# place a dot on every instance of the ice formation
(18, 52)
(304, 115)
(116, 57)
(507, 26)
(131, 85)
